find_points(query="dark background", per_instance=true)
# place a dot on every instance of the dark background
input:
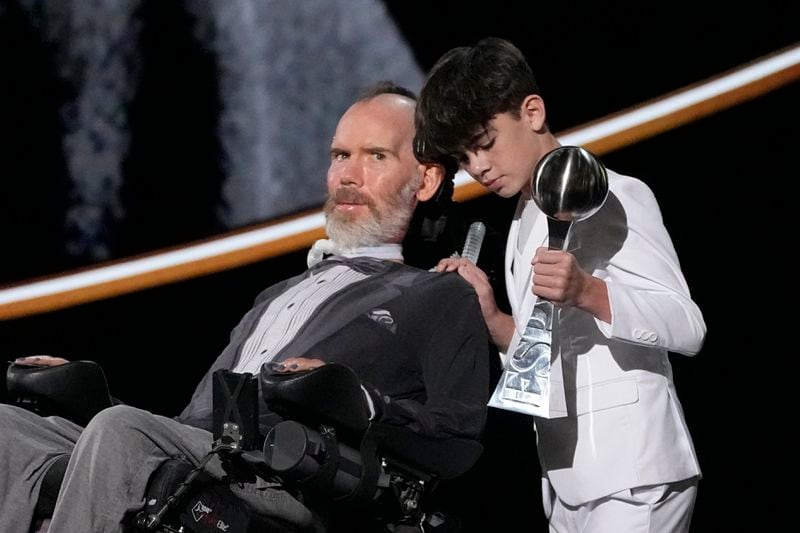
(726, 189)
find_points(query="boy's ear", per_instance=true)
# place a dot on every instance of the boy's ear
(432, 176)
(532, 110)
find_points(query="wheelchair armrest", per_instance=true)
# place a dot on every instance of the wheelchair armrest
(444, 458)
(76, 390)
(332, 394)
(329, 394)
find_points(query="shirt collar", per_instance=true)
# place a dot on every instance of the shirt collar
(324, 248)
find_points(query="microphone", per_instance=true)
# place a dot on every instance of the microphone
(473, 242)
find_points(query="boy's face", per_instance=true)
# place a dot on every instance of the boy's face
(499, 156)
(503, 155)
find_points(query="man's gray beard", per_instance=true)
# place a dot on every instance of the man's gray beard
(375, 228)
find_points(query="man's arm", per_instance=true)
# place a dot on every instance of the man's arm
(499, 324)
(454, 350)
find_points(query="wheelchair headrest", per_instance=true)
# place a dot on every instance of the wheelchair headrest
(76, 390)
(330, 394)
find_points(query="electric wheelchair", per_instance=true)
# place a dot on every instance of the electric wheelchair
(357, 474)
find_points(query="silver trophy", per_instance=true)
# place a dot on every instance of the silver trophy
(568, 185)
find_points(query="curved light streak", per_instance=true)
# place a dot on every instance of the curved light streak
(280, 237)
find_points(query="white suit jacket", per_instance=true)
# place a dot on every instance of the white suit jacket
(625, 426)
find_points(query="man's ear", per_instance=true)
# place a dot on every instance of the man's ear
(532, 110)
(432, 176)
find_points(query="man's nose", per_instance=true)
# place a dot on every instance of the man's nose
(477, 164)
(351, 173)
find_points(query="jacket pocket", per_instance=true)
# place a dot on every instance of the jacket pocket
(606, 395)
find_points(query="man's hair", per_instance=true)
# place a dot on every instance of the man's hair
(385, 87)
(424, 152)
(466, 88)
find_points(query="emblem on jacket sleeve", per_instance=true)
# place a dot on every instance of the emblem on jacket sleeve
(384, 318)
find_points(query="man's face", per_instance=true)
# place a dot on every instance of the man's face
(502, 156)
(373, 176)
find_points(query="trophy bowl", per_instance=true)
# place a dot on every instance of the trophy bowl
(569, 184)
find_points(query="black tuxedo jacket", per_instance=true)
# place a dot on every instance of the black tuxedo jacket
(417, 337)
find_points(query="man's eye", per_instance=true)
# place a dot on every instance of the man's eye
(487, 145)
(339, 156)
(378, 156)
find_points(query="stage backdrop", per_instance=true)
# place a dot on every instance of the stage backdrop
(127, 126)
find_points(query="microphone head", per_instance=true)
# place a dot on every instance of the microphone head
(474, 241)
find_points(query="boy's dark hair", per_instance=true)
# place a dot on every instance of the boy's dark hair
(466, 88)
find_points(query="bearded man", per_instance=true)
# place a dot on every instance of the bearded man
(415, 339)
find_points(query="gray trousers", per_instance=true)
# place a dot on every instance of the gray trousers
(111, 461)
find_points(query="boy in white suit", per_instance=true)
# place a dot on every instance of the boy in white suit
(623, 458)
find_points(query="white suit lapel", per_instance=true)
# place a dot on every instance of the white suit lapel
(523, 298)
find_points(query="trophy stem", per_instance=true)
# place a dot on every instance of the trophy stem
(557, 230)
(568, 185)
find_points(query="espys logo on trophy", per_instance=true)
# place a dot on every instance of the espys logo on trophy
(568, 185)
